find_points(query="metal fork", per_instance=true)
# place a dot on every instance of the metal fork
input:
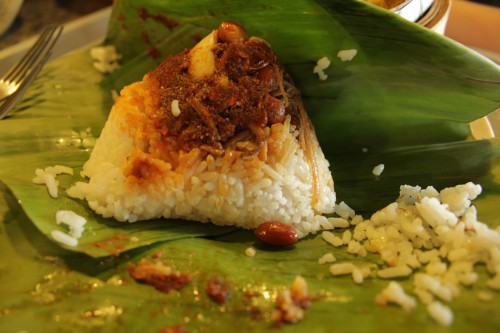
(16, 81)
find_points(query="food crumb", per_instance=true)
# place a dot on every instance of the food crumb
(158, 275)
(63, 238)
(485, 296)
(105, 58)
(218, 290)
(114, 94)
(321, 65)
(331, 238)
(394, 293)
(440, 313)
(74, 222)
(176, 111)
(291, 303)
(378, 169)
(250, 252)
(347, 55)
(327, 258)
(174, 329)
(48, 175)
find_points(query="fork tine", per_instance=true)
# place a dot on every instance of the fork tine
(12, 100)
(18, 72)
(20, 63)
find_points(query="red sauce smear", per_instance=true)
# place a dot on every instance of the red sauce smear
(170, 24)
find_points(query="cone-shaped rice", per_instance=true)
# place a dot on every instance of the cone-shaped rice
(216, 133)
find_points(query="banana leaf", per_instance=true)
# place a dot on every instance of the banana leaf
(405, 100)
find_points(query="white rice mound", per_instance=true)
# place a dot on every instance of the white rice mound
(224, 190)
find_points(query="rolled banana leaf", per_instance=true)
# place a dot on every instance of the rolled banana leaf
(405, 100)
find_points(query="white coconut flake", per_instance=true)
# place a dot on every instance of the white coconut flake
(64, 238)
(176, 111)
(347, 55)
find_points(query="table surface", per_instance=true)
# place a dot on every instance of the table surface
(35, 14)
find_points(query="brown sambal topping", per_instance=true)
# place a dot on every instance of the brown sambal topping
(224, 94)
(228, 91)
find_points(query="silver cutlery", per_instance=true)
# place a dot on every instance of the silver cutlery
(16, 81)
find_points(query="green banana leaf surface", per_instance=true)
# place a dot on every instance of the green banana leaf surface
(405, 100)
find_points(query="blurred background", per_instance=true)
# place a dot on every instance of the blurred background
(35, 14)
(475, 23)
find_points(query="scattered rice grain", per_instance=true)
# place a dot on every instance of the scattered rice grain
(74, 222)
(378, 169)
(343, 210)
(394, 272)
(106, 59)
(347, 55)
(321, 65)
(176, 111)
(330, 238)
(338, 222)
(327, 258)
(395, 294)
(342, 268)
(63, 238)
(440, 313)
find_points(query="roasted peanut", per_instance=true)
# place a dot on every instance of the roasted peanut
(275, 110)
(231, 32)
(276, 233)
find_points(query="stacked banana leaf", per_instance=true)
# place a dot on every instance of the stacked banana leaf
(405, 101)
